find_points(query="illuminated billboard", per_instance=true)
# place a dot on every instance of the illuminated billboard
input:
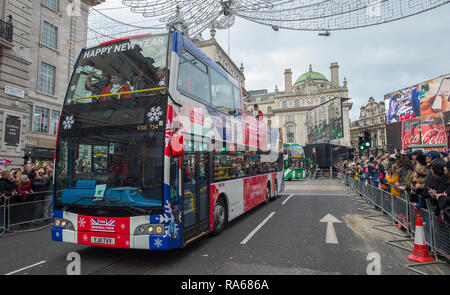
(419, 100)
(324, 123)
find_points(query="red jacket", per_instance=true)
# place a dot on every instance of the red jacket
(124, 88)
(23, 188)
(260, 115)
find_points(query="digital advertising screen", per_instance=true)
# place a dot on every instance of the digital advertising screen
(419, 100)
(324, 122)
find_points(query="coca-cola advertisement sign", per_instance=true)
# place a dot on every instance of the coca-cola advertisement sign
(426, 131)
(433, 131)
(410, 133)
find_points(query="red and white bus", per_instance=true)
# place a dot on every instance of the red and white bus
(154, 149)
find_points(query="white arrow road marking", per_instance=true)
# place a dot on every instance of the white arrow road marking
(331, 234)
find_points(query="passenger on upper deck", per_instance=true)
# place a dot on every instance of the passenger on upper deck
(118, 84)
(257, 113)
(97, 87)
(159, 76)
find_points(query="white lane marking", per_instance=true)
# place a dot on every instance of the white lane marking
(284, 202)
(250, 235)
(331, 234)
(24, 268)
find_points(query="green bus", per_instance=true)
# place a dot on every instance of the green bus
(295, 163)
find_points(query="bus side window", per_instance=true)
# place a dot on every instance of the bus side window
(174, 179)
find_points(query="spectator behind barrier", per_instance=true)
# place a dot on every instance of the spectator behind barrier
(6, 186)
(443, 199)
(392, 178)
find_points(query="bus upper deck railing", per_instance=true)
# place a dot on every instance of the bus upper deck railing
(118, 93)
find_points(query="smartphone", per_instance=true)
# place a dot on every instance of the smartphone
(444, 88)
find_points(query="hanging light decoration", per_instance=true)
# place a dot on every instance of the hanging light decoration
(305, 15)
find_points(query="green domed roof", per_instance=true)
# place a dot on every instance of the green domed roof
(313, 75)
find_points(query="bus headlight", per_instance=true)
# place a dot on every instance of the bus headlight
(63, 223)
(149, 229)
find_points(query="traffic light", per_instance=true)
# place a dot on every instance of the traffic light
(367, 141)
(361, 144)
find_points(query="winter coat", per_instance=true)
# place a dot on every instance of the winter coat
(23, 188)
(6, 187)
(420, 174)
(392, 180)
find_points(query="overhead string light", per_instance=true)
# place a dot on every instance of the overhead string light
(195, 16)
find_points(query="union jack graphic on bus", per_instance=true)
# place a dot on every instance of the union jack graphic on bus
(106, 222)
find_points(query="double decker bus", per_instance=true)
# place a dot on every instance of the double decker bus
(295, 163)
(153, 148)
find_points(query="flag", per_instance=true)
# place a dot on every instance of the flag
(4, 162)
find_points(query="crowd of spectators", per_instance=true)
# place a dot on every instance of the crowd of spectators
(27, 184)
(420, 174)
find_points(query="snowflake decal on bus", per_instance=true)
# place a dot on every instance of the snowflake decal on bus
(171, 226)
(154, 114)
(158, 243)
(68, 122)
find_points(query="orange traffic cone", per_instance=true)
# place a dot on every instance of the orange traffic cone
(420, 252)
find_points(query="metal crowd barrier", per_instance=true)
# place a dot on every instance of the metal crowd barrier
(402, 211)
(3, 218)
(15, 211)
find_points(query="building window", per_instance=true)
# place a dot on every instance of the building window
(269, 109)
(54, 122)
(30, 117)
(297, 103)
(290, 134)
(323, 99)
(52, 4)
(289, 118)
(47, 84)
(284, 104)
(49, 35)
(40, 120)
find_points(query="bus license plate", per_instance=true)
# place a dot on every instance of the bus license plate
(103, 240)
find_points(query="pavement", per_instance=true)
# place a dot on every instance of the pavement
(313, 228)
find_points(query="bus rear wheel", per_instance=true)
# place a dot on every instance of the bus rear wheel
(220, 216)
(268, 194)
(275, 194)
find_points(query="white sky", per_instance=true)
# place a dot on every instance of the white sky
(375, 60)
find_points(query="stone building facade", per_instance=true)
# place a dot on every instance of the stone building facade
(372, 119)
(35, 64)
(287, 109)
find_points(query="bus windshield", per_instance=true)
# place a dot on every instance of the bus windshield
(128, 65)
(295, 150)
(110, 149)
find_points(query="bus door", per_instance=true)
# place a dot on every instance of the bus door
(195, 204)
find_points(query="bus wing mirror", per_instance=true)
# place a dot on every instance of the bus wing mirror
(177, 144)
